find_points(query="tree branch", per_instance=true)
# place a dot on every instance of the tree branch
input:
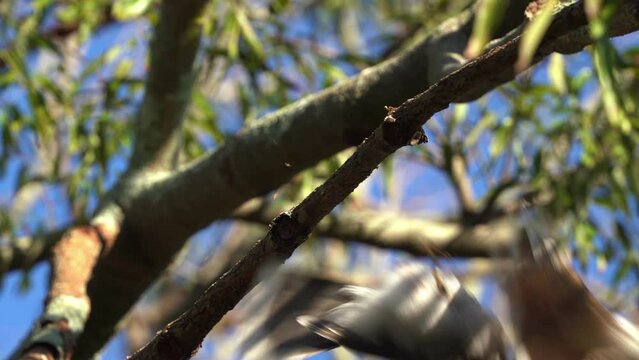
(162, 216)
(145, 320)
(455, 168)
(402, 232)
(28, 250)
(67, 304)
(400, 127)
(158, 220)
(168, 87)
(157, 132)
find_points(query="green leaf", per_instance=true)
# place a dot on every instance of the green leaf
(208, 116)
(277, 6)
(486, 122)
(128, 9)
(96, 64)
(604, 60)
(557, 73)
(460, 113)
(623, 235)
(232, 31)
(309, 183)
(123, 69)
(584, 235)
(489, 16)
(249, 34)
(533, 34)
(333, 73)
(628, 262)
(578, 81)
(501, 137)
(537, 164)
(349, 30)
(101, 152)
(387, 176)
(68, 13)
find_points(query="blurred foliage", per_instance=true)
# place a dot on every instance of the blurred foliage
(553, 132)
(489, 16)
(72, 76)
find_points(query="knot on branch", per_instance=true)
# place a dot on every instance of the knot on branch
(400, 133)
(419, 137)
(287, 233)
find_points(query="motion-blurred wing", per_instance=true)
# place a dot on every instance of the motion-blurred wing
(557, 317)
(418, 314)
(276, 305)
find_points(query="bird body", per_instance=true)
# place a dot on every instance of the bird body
(425, 313)
(419, 313)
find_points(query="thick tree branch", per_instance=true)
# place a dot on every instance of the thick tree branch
(173, 49)
(67, 304)
(157, 134)
(417, 236)
(168, 86)
(401, 127)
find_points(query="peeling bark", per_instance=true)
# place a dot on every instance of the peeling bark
(67, 305)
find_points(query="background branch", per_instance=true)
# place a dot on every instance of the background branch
(415, 235)
(26, 251)
(168, 86)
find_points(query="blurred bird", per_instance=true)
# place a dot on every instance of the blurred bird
(417, 313)
(555, 315)
(424, 313)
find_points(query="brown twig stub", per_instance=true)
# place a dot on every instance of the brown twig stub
(400, 128)
(419, 137)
